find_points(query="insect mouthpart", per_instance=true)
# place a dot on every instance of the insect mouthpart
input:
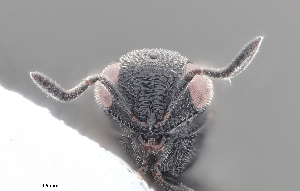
(153, 144)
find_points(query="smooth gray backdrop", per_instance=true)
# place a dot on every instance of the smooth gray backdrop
(253, 140)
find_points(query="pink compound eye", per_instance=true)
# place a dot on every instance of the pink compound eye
(102, 94)
(112, 72)
(189, 67)
(201, 91)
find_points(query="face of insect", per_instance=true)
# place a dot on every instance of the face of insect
(154, 100)
(155, 95)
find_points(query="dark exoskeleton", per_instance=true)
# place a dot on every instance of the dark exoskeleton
(155, 95)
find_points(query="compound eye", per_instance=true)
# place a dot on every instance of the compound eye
(201, 91)
(112, 73)
(102, 94)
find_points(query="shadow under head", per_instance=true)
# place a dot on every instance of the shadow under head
(155, 95)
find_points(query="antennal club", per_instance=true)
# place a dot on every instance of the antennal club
(54, 90)
(237, 65)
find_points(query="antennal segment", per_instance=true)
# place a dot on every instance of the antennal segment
(54, 90)
(239, 63)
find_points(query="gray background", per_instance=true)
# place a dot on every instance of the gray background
(252, 141)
